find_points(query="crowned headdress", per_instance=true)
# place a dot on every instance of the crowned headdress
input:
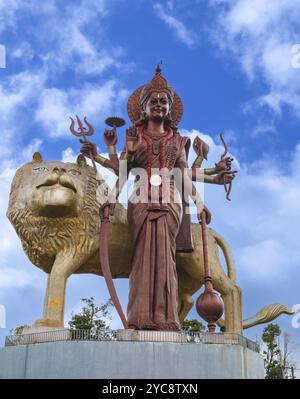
(140, 95)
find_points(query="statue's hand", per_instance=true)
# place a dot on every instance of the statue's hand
(110, 137)
(224, 177)
(200, 148)
(133, 140)
(223, 165)
(88, 148)
(207, 215)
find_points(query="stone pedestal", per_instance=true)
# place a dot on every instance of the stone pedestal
(151, 336)
(130, 360)
(33, 335)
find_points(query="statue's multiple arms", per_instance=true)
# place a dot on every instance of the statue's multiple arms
(220, 174)
(189, 188)
(110, 138)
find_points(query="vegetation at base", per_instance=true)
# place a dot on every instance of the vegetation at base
(17, 330)
(92, 319)
(277, 353)
(192, 326)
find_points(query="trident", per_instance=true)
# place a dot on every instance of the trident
(83, 132)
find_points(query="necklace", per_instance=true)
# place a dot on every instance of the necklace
(155, 136)
(156, 148)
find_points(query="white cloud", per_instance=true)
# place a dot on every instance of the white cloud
(68, 155)
(260, 35)
(61, 40)
(8, 11)
(17, 94)
(22, 50)
(16, 90)
(95, 101)
(15, 278)
(30, 149)
(14, 271)
(183, 34)
(62, 35)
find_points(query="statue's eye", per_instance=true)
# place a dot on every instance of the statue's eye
(74, 172)
(41, 169)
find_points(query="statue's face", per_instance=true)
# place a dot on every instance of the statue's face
(157, 106)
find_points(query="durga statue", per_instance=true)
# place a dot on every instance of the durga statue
(54, 207)
(160, 221)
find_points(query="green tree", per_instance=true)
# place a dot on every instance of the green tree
(92, 319)
(272, 354)
(288, 348)
(17, 330)
(192, 326)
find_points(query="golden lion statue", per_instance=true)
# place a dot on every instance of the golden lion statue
(54, 208)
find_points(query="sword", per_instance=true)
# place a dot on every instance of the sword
(104, 212)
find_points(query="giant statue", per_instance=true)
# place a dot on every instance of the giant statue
(54, 208)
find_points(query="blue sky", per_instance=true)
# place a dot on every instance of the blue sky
(231, 63)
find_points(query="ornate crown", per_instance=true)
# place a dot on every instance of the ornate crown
(139, 96)
(159, 83)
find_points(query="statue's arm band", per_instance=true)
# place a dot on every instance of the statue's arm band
(101, 160)
(210, 171)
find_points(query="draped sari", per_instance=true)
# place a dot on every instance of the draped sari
(153, 286)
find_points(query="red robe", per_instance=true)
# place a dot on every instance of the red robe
(153, 286)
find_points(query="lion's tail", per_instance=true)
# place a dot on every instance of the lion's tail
(231, 269)
(265, 315)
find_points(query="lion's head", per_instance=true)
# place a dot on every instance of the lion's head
(52, 188)
(54, 207)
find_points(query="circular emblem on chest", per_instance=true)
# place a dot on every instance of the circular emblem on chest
(155, 180)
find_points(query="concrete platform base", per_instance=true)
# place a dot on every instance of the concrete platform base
(151, 336)
(129, 360)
